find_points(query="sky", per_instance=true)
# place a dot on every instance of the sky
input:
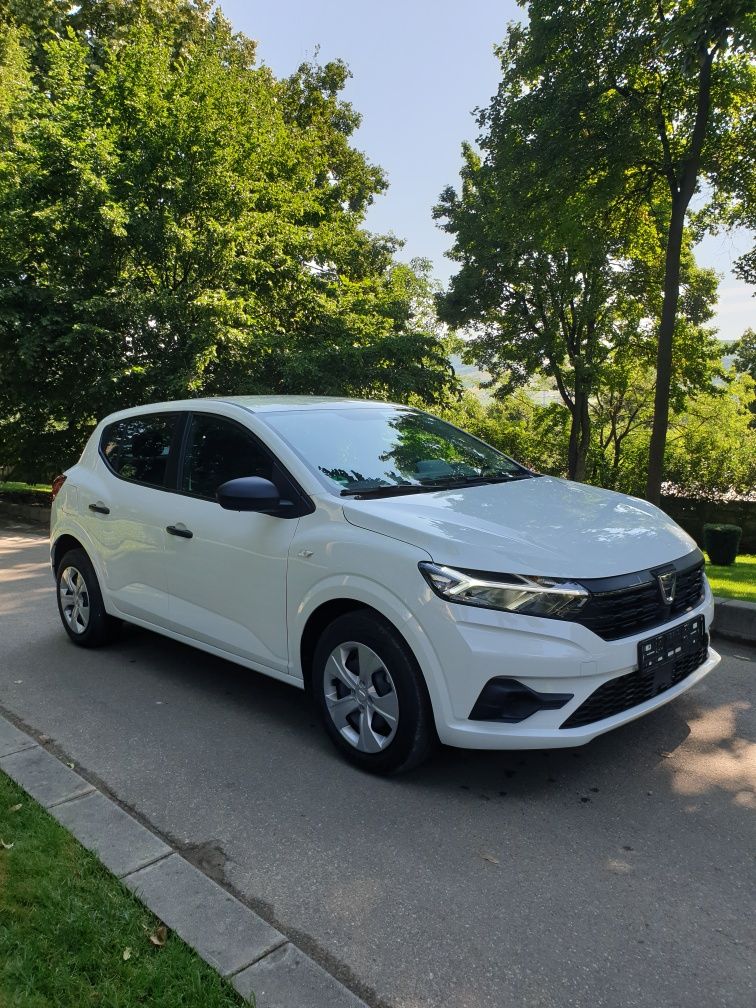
(419, 69)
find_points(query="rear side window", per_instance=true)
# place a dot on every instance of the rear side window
(137, 448)
(217, 451)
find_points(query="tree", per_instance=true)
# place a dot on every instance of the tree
(555, 270)
(745, 353)
(647, 97)
(175, 221)
(745, 362)
(622, 408)
(534, 291)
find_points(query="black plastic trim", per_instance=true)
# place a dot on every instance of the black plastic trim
(502, 694)
(301, 505)
(626, 582)
(286, 483)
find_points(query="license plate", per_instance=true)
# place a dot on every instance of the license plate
(659, 655)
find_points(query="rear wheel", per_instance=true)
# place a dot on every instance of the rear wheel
(80, 604)
(371, 694)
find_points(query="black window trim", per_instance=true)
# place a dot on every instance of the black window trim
(302, 502)
(176, 454)
(176, 441)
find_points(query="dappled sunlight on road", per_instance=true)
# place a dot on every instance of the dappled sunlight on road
(25, 576)
(716, 757)
(23, 571)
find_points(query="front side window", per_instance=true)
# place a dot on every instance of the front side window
(390, 449)
(137, 448)
(218, 451)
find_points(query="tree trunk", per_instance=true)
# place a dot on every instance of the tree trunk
(681, 196)
(580, 435)
(664, 353)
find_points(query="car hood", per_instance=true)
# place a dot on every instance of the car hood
(546, 526)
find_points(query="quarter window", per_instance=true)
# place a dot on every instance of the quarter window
(138, 447)
(218, 451)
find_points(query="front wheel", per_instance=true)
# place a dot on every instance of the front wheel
(80, 604)
(371, 695)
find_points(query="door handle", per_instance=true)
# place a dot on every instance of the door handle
(183, 533)
(100, 508)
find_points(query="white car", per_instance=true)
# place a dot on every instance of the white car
(418, 582)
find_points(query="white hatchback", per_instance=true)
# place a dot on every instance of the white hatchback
(418, 582)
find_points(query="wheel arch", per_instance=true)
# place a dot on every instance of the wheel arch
(329, 610)
(316, 623)
(62, 545)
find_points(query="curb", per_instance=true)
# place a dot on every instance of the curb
(35, 514)
(735, 619)
(257, 959)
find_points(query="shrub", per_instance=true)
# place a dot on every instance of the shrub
(722, 542)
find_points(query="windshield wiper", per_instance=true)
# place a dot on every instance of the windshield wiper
(385, 491)
(465, 481)
(400, 489)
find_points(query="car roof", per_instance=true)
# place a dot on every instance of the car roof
(260, 404)
(271, 404)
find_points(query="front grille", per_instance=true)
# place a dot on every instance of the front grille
(624, 611)
(628, 691)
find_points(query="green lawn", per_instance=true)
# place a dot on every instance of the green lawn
(71, 936)
(738, 581)
(12, 487)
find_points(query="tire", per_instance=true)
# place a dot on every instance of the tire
(80, 604)
(371, 695)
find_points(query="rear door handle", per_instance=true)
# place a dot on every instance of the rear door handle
(100, 508)
(183, 533)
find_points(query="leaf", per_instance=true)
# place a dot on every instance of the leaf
(126, 954)
(491, 858)
(4, 845)
(159, 936)
(15, 808)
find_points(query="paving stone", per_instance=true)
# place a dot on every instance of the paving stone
(121, 843)
(12, 740)
(287, 978)
(226, 934)
(43, 776)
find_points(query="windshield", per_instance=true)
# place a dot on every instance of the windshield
(381, 451)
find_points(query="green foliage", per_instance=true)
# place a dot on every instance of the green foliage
(722, 542)
(175, 222)
(561, 267)
(570, 226)
(712, 445)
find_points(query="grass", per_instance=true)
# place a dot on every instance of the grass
(12, 487)
(66, 923)
(738, 581)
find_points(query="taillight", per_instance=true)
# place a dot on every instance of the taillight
(57, 483)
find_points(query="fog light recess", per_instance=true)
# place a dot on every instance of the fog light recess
(511, 701)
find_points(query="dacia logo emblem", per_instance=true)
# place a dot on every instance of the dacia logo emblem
(667, 586)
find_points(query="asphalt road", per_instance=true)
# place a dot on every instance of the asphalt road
(619, 874)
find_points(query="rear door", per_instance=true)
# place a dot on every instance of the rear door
(227, 569)
(126, 506)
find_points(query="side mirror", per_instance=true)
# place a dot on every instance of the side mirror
(250, 493)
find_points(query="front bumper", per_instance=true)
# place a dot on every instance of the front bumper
(548, 656)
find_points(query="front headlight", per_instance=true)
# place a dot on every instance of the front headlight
(529, 594)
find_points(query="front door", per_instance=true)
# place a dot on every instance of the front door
(227, 569)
